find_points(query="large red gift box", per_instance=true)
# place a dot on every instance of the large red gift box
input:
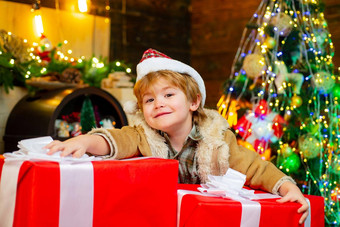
(126, 193)
(199, 210)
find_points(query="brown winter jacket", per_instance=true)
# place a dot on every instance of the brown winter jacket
(216, 152)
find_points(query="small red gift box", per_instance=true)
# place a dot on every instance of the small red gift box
(199, 210)
(139, 192)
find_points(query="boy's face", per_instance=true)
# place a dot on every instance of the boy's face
(166, 107)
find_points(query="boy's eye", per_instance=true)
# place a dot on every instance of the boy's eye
(149, 100)
(169, 95)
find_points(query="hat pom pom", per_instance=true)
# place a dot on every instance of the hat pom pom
(130, 107)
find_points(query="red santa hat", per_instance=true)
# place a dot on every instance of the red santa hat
(153, 60)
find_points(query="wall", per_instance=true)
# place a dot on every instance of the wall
(7, 102)
(332, 15)
(141, 24)
(86, 34)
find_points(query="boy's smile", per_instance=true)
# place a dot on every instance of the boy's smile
(166, 108)
(161, 114)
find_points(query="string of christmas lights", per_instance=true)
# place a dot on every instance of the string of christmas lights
(21, 62)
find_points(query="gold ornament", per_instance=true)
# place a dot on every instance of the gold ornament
(253, 65)
(309, 146)
(270, 42)
(296, 101)
(324, 81)
(286, 150)
(283, 23)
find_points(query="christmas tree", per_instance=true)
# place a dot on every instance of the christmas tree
(282, 96)
(87, 116)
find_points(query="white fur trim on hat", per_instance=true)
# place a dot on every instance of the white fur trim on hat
(154, 64)
(130, 107)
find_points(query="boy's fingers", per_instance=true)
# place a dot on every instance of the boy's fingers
(53, 147)
(66, 151)
(303, 208)
(284, 199)
(77, 154)
(303, 217)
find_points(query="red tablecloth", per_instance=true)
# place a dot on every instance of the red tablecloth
(126, 193)
(198, 210)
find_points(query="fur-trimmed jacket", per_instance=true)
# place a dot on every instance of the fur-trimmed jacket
(216, 151)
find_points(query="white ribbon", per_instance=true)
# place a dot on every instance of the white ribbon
(251, 210)
(251, 213)
(76, 194)
(230, 186)
(308, 219)
(180, 194)
(76, 183)
(8, 192)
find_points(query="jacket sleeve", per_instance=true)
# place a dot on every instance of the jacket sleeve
(260, 174)
(126, 142)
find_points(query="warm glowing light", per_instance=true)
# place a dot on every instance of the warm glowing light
(82, 6)
(100, 65)
(38, 25)
(95, 60)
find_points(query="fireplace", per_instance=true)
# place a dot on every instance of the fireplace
(40, 114)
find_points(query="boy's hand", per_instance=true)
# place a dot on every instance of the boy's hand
(76, 146)
(291, 193)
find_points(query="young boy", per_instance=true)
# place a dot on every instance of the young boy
(170, 122)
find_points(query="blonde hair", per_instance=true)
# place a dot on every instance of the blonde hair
(186, 83)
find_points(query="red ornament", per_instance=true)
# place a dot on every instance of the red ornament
(262, 108)
(243, 127)
(260, 146)
(260, 127)
(278, 124)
